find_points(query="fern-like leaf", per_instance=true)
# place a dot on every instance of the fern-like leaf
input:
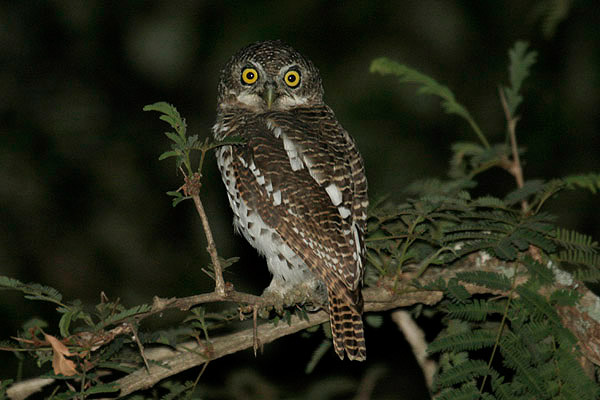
(521, 61)
(473, 340)
(465, 392)
(461, 373)
(537, 304)
(575, 382)
(142, 308)
(529, 188)
(428, 85)
(457, 292)
(517, 357)
(538, 272)
(573, 240)
(585, 265)
(590, 182)
(564, 297)
(32, 291)
(553, 13)
(478, 310)
(491, 280)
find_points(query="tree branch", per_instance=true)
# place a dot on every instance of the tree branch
(581, 320)
(192, 187)
(514, 167)
(380, 298)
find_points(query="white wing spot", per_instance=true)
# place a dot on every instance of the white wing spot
(292, 152)
(276, 131)
(335, 194)
(316, 173)
(357, 243)
(269, 187)
(344, 212)
(277, 198)
(296, 164)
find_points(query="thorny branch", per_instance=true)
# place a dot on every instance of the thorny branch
(168, 362)
(192, 188)
(514, 166)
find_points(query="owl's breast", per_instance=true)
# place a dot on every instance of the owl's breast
(282, 261)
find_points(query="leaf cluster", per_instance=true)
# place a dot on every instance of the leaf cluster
(512, 345)
(508, 347)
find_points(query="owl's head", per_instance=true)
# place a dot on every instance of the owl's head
(269, 76)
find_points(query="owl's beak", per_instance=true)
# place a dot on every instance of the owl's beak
(269, 94)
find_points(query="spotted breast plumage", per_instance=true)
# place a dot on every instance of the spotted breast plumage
(296, 184)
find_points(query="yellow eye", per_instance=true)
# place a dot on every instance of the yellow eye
(292, 78)
(249, 76)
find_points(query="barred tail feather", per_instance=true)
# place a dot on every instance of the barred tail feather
(347, 327)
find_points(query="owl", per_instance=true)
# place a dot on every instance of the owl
(296, 184)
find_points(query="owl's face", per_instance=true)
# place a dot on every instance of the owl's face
(269, 76)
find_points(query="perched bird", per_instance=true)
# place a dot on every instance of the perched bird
(296, 184)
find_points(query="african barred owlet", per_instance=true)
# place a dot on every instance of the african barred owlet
(297, 184)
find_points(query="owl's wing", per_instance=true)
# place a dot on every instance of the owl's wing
(304, 176)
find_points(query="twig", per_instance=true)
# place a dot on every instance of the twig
(376, 299)
(193, 188)
(256, 342)
(514, 168)
(368, 383)
(185, 303)
(415, 337)
(139, 344)
(379, 298)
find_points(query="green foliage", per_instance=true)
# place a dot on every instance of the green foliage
(485, 278)
(533, 345)
(552, 13)
(317, 355)
(590, 182)
(123, 314)
(511, 345)
(428, 85)
(520, 62)
(4, 384)
(184, 146)
(32, 291)
(507, 344)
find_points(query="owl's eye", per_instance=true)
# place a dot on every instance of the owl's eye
(249, 76)
(292, 78)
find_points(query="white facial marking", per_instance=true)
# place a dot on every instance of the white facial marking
(250, 99)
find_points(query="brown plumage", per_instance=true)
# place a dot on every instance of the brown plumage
(297, 185)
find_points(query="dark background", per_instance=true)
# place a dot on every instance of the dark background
(82, 194)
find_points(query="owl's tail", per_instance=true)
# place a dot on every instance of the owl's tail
(345, 316)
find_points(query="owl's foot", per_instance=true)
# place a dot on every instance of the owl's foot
(311, 294)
